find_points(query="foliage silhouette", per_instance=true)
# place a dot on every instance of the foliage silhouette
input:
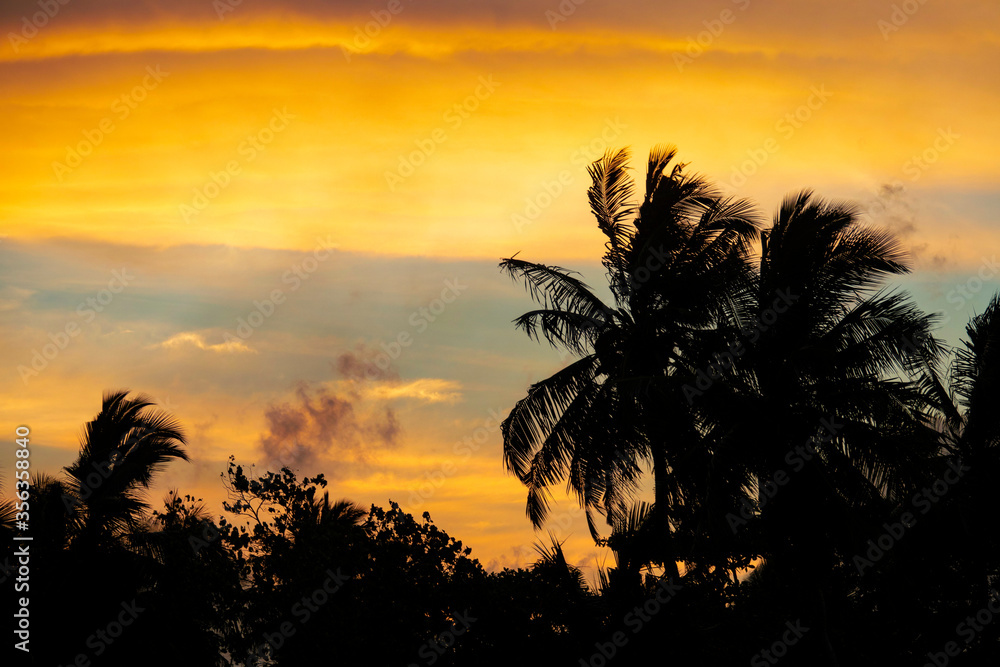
(674, 271)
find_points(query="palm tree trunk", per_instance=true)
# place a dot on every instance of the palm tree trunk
(664, 542)
(827, 650)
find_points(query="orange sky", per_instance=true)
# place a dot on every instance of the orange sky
(216, 155)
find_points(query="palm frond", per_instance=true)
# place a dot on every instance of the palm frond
(556, 288)
(610, 196)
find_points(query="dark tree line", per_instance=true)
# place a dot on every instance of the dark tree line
(794, 413)
(820, 467)
(289, 576)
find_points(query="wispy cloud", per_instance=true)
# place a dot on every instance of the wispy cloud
(193, 339)
(430, 390)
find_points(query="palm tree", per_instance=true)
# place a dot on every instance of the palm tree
(832, 363)
(825, 373)
(341, 513)
(122, 448)
(629, 542)
(553, 568)
(92, 539)
(964, 397)
(677, 267)
(959, 440)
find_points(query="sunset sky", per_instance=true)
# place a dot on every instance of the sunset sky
(236, 207)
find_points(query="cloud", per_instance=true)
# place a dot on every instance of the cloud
(370, 363)
(894, 209)
(300, 21)
(950, 242)
(12, 298)
(190, 338)
(431, 390)
(320, 423)
(361, 365)
(517, 556)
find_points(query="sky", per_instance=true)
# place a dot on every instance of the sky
(282, 221)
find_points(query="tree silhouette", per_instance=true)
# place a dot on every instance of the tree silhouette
(974, 441)
(674, 272)
(122, 448)
(825, 375)
(90, 530)
(712, 368)
(951, 540)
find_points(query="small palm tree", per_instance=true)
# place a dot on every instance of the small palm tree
(319, 518)
(122, 448)
(553, 567)
(92, 532)
(629, 543)
(342, 512)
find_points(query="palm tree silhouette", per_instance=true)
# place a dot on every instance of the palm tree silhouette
(831, 364)
(826, 376)
(964, 397)
(91, 530)
(675, 272)
(556, 570)
(122, 448)
(817, 355)
(340, 513)
(629, 541)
